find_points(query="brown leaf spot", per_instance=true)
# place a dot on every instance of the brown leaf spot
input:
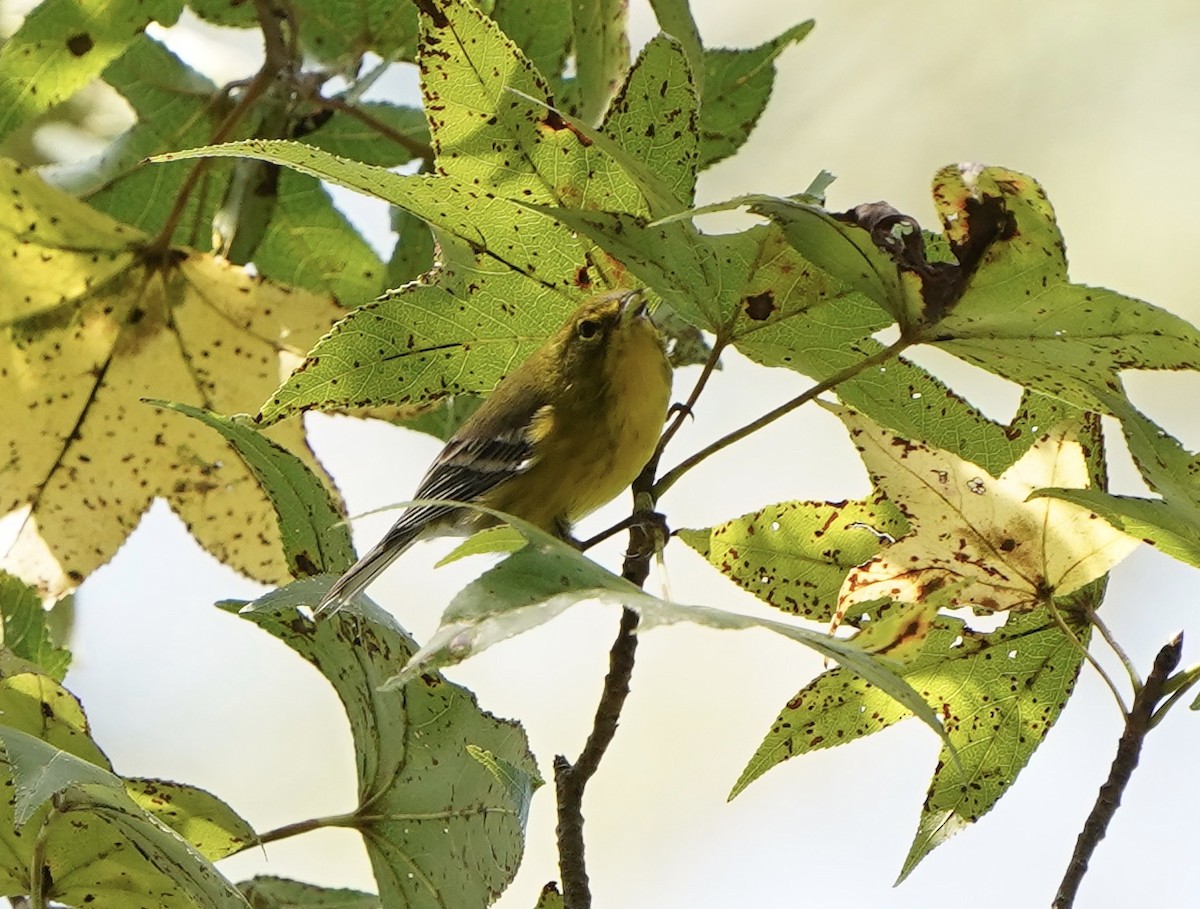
(760, 306)
(80, 44)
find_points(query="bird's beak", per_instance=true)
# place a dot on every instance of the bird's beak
(634, 305)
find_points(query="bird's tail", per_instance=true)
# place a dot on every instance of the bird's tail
(370, 566)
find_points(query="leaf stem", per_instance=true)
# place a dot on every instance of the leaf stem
(39, 873)
(1138, 723)
(1134, 678)
(1087, 655)
(672, 476)
(305, 826)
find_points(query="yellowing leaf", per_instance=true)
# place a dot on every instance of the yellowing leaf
(975, 535)
(98, 325)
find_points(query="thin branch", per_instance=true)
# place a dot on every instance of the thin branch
(1129, 749)
(277, 58)
(39, 873)
(414, 147)
(671, 477)
(687, 408)
(571, 779)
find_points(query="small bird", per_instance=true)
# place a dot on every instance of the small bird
(560, 436)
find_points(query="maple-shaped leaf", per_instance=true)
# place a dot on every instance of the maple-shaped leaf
(976, 541)
(92, 323)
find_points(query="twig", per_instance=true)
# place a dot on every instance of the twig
(571, 779)
(671, 477)
(1129, 749)
(278, 52)
(414, 147)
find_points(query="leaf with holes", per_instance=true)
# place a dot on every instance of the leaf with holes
(977, 535)
(546, 577)
(1019, 316)
(92, 324)
(795, 555)
(439, 827)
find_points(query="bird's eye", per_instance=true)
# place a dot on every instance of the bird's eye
(588, 329)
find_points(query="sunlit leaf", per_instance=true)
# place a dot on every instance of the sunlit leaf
(976, 534)
(93, 324)
(795, 555)
(211, 827)
(312, 526)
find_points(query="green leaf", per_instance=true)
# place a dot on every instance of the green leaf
(601, 53)
(278, 893)
(439, 828)
(175, 109)
(998, 693)
(491, 125)
(211, 827)
(511, 235)
(312, 524)
(795, 555)
(63, 45)
(736, 87)
(1171, 524)
(341, 31)
(38, 705)
(26, 631)
(1020, 318)
(999, 699)
(654, 116)
(360, 137)
(309, 243)
(548, 576)
(413, 254)
(675, 18)
(419, 345)
(101, 846)
(543, 29)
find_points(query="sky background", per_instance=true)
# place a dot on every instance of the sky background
(1095, 100)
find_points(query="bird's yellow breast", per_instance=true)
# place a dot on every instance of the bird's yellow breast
(590, 446)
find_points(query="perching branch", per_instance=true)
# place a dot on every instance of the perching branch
(1138, 723)
(672, 476)
(570, 780)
